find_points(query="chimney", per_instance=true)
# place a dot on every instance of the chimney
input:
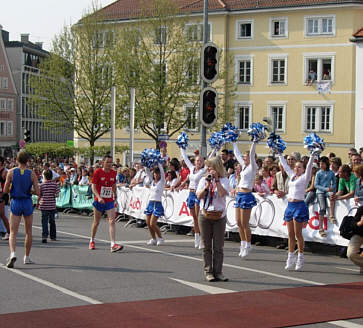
(24, 37)
(39, 44)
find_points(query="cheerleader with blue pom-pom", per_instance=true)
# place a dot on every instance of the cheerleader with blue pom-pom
(297, 212)
(154, 209)
(196, 173)
(245, 200)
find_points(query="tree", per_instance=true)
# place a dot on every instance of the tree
(52, 150)
(158, 56)
(75, 81)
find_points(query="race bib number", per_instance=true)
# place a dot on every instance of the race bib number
(106, 192)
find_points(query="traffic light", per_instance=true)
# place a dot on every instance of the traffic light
(208, 106)
(27, 135)
(209, 62)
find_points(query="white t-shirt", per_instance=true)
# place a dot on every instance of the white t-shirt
(156, 189)
(218, 203)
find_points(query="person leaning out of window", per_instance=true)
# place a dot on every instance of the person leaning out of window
(212, 191)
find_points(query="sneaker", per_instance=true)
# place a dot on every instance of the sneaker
(92, 245)
(241, 248)
(246, 252)
(6, 237)
(151, 242)
(10, 262)
(27, 260)
(209, 277)
(44, 240)
(201, 245)
(221, 277)
(290, 262)
(116, 248)
(160, 241)
(300, 262)
(197, 240)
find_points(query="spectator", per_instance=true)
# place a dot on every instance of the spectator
(281, 184)
(73, 176)
(356, 242)
(331, 155)
(269, 161)
(261, 186)
(358, 193)
(84, 180)
(355, 159)
(138, 179)
(335, 164)
(234, 178)
(310, 192)
(49, 191)
(347, 183)
(171, 180)
(227, 162)
(272, 171)
(311, 77)
(325, 187)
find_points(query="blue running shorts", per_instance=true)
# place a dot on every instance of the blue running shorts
(21, 206)
(103, 207)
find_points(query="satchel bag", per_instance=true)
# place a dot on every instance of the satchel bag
(212, 215)
(348, 227)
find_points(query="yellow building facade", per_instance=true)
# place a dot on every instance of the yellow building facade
(294, 63)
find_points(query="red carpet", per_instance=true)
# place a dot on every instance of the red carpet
(270, 308)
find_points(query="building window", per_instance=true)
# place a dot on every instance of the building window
(194, 32)
(192, 73)
(9, 130)
(191, 116)
(244, 70)
(243, 116)
(315, 26)
(2, 129)
(10, 105)
(244, 29)
(2, 68)
(278, 27)
(278, 70)
(4, 83)
(278, 111)
(161, 35)
(318, 118)
(2, 104)
(319, 67)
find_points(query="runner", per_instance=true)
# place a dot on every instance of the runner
(245, 200)
(155, 209)
(297, 212)
(104, 189)
(21, 180)
(4, 199)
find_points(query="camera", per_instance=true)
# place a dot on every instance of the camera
(209, 177)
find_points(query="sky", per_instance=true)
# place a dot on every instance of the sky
(42, 19)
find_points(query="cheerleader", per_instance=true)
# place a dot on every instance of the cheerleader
(154, 208)
(297, 212)
(196, 173)
(245, 200)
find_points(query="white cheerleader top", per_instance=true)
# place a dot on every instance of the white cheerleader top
(248, 172)
(156, 189)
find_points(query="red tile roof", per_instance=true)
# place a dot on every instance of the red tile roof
(359, 33)
(127, 9)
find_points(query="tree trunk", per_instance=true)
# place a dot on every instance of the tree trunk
(92, 151)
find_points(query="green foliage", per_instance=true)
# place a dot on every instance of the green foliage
(51, 149)
(100, 150)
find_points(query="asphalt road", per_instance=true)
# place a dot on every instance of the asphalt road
(67, 274)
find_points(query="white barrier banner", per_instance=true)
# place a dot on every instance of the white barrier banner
(266, 217)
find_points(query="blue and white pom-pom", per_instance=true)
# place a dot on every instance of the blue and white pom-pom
(257, 131)
(275, 143)
(230, 132)
(151, 157)
(217, 140)
(314, 143)
(182, 140)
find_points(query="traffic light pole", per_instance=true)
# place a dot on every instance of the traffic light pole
(203, 129)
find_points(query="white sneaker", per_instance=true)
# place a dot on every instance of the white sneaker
(246, 251)
(201, 245)
(300, 262)
(290, 262)
(151, 242)
(6, 237)
(241, 248)
(160, 241)
(27, 260)
(197, 240)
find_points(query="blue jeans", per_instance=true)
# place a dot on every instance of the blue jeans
(49, 216)
(322, 200)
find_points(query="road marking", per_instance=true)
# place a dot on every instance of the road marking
(204, 288)
(309, 282)
(52, 285)
(345, 324)
(355, 270)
